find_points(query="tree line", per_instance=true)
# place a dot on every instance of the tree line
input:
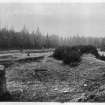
(11, 39)
(98, 42)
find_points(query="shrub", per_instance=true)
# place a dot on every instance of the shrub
(89, 49)
(86, 49)
(60, 52)
(102, 57)
(72, 58)
(72, 55)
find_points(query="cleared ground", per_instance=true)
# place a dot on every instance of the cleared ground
(50, 80)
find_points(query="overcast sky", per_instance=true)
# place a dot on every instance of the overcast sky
(62, 19)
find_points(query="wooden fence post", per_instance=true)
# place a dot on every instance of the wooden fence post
(3, 89)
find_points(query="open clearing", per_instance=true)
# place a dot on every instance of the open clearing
(50, 80)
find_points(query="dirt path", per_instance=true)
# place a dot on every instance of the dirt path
(8, 60)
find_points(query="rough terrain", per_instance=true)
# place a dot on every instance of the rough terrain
(49, 80)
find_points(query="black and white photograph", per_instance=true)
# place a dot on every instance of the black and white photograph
(52, 51)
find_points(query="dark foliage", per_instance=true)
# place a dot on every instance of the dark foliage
(60, 52)
(102, 57)
(72, 55)
(72, 58)
(86, 49)
(89, 49)
(69, 55)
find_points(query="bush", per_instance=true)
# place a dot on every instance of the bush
(89, 49)
(102, 57)
(72, 58)
(72, 55)
(61, 52)
(69, 55)
(86, 49)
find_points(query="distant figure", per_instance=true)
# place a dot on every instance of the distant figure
(28, 53)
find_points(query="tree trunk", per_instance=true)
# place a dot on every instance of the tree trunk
(3, 89)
